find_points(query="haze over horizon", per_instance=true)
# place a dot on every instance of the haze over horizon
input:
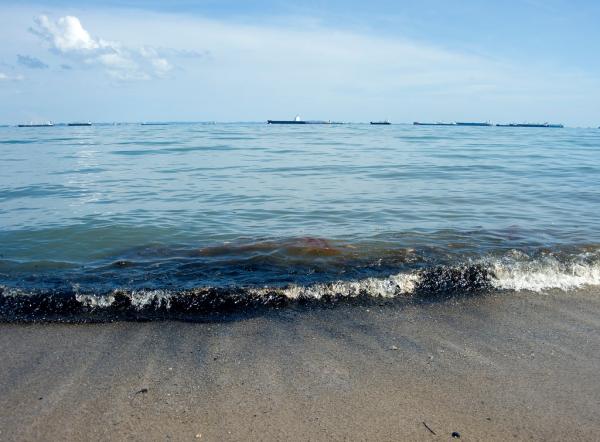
(521, 60)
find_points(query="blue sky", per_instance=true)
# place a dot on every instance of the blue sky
(519, 60)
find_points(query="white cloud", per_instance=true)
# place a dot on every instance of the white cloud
(67, 37)
(161, 65)
(66, 34)
(7, 77)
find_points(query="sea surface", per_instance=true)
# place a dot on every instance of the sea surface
(136, 221)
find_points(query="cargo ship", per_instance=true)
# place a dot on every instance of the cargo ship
(531, 125)
(89, 123)
(285, 122)
(47, 124)
(416, 123)
(461, 123)
(298, 120)
(384, 122)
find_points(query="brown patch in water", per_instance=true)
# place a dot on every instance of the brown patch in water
(312, 246)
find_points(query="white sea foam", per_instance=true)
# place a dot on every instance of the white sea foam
(546, 274)
(402, 284)
(141, 298)
(12, 292)
(138, 298)
(390, 287)
(95, 300)
(529, 274)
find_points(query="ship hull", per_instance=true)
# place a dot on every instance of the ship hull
(285, 122)
(416, 123)
(554, 126)
(473, 124)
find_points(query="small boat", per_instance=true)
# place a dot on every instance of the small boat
(531, 125)
(47, 124)
(416, 123)
(89, 123)
(461, 123)
(384, 122)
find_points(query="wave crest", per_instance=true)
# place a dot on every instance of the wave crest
(512, 271)
(549, 273)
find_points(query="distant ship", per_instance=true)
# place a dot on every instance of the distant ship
(531, 125)
(384, 122)
(47, 124)
(298, 120)
(285, 122)
(155, 124)
(460, 123)
(89, 123)
(416, 123)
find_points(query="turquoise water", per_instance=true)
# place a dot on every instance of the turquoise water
(183, 206)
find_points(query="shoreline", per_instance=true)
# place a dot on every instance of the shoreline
(507, 366)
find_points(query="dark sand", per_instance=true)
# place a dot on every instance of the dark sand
(503, 367)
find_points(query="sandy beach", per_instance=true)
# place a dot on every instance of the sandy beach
(499, 367)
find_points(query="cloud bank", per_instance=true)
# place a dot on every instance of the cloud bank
(67, 37)
(31, 62)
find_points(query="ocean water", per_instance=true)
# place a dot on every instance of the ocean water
(184, 219)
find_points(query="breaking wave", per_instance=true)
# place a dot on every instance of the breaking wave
(550, 275)
(515, 270)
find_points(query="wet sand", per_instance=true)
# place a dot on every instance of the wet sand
(499, 367)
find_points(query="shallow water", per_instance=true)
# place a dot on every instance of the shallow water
(307, 211)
